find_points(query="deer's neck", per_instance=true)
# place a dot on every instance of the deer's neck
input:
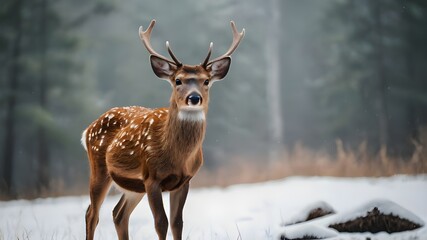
(183, 136)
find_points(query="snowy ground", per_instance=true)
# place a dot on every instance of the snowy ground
(254, 211)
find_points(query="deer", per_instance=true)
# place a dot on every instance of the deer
(151, 151)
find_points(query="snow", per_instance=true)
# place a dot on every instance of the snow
(309, 230)
(252, 211)
(303, 214)
(384, 206)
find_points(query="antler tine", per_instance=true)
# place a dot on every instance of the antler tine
(178, 63)
(205, 63)
(145, 38)
(237, 37)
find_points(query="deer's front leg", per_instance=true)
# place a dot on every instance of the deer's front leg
(154, 193)
(177, 201)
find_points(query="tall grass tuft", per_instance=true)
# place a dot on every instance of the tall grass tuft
(303, 161)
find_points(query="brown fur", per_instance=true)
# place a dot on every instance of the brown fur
(136, 145)
(149, 151)
(119, 137)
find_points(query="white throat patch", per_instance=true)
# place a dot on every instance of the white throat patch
(193, 116)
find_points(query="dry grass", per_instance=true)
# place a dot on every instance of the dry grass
(299, 161)
(302, 161)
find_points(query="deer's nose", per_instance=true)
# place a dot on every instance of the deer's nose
(194, 99)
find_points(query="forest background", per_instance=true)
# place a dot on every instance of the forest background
(333, 87)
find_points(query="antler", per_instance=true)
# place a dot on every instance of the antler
(178, 63)
(145, 38)
(237, 37)
(205, 63)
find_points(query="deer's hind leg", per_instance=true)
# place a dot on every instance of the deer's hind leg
(99, 185)
(122, 212)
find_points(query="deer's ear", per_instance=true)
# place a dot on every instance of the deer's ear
(162, 68)
(219, 68)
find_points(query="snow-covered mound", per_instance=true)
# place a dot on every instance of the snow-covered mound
(307, 231)
(377, 216)
(313, 211)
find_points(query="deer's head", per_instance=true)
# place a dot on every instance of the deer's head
(190, 83)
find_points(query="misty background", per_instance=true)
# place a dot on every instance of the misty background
(320, 74)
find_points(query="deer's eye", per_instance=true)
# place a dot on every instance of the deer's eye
(206, 82)
(178, 82)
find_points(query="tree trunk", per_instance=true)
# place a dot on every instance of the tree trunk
(273, 88)
(382, 107)
(408, 44)
(14, 74)
(43, 150)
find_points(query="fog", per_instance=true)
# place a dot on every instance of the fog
(307, 73)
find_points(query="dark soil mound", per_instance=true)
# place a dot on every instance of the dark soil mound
(305, 237)
(318, 210)
(374, 222)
